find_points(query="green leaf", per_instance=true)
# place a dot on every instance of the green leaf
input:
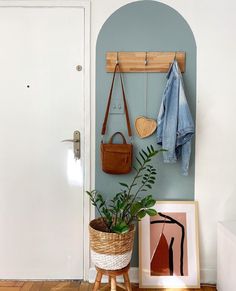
(141, 214)
(152, 148)
(124, 185)
(122, 223)
(121, 230)
(151, 212)
(150, 203)
(121, 227)
(142, 156)
(145, 153)
(125, 229)
(135, 208)
(139, 162)
(162, 150)
(102, 204)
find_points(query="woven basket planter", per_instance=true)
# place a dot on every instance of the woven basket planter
(110, 251)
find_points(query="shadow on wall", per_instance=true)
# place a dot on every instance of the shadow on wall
(144, 26)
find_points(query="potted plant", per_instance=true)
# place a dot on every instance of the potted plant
(112, 234)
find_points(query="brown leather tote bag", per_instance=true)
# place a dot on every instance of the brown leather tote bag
(116, 158)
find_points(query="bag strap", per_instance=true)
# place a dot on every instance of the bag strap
(116, 133)
(104, 126)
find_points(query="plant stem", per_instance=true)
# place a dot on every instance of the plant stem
(131, 186)
(129, 191)
(140, 188)
(132, 201)
(133, 182)
(115, 218)
(103, 218)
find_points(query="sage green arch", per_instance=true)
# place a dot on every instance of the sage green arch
(144, 26)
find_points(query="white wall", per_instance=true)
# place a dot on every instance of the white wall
(213, 23)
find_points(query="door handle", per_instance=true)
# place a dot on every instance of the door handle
(76, 144)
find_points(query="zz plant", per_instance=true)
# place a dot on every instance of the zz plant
(127, 206)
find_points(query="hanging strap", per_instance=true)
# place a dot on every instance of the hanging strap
(104, 126)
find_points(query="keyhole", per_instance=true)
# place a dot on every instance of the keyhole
(79, 68)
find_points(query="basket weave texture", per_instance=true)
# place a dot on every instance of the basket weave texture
(109, 243)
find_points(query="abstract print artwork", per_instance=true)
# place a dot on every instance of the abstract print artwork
(168, 246)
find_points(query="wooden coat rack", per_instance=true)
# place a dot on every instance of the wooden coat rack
(152, 62)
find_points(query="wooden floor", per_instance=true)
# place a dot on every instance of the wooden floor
(71, 286)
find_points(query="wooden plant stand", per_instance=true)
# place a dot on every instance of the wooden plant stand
(112, 274)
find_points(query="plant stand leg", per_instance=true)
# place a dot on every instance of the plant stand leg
(113, 283)
(127, 281)
(98, 281)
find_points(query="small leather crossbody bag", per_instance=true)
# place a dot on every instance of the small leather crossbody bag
(116, 158)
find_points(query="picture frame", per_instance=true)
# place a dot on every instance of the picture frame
(169, 246)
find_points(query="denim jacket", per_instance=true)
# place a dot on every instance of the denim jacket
(175, 123)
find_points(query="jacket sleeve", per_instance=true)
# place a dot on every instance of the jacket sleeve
(170, 119)
(185, 129)
(160, 120)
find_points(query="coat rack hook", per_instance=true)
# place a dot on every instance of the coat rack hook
(175, 57)
(146, 60)
(117, 57)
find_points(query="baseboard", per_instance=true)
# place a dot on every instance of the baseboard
(208, 276)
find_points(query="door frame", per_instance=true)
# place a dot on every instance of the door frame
(85, 5)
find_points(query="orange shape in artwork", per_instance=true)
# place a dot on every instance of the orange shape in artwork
(160, 260)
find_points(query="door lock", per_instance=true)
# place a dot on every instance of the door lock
(76, 144)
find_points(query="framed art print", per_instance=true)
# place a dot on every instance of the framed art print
(168, 246)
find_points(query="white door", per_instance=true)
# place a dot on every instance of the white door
(41, 104)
